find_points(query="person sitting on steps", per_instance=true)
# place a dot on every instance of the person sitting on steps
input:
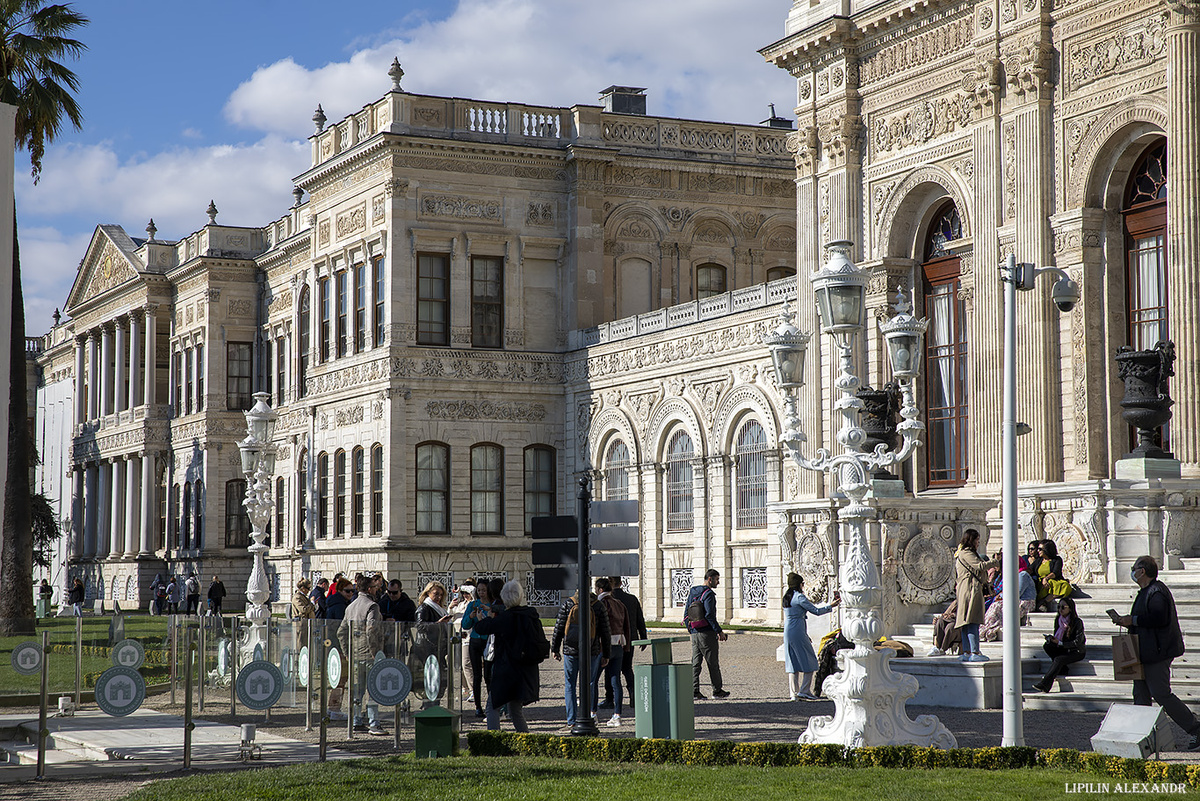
(1064, 646)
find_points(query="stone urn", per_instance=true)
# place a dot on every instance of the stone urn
(878, 420)
(1147, 403)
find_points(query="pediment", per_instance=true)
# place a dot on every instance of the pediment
(110, 261)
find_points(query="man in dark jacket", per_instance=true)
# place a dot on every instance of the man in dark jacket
(564, 646)
(637, 624)
(319, 596)
(216, 594)
(700, 617)
(1156, 624)
(396, 605)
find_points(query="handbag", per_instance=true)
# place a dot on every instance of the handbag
(489, 650)
(1127, 665)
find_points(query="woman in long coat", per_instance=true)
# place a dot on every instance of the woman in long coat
(971, 579)
(800, 661)
(514, 684)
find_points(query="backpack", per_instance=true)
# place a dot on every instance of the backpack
(571, 634)
(533, 648)
(193, 587)
(695, 613)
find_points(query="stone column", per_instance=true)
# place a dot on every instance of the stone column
(106, 369)
(151, 333)
(135, 369)
(93, 382)
(77, 512)
(104, 504)
(119, 395)
(1183, 224)
(81, 382)
(148, 494)
(132, 512)
(116, 473)
(91, 509)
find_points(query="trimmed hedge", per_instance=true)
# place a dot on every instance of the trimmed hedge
(715, 752)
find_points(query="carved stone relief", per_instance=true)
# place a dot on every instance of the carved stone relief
(925, 558)
(814, 559)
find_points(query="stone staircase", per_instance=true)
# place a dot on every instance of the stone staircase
(18, 746)
(1089, 685)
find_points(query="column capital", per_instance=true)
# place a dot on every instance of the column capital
(108, 327)
(150, 309)
(1183, 12)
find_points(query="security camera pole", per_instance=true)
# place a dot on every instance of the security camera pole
(1065, 294)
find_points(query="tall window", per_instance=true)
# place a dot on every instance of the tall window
(174, 512)
(325, 311)
(268, 372)
(198, 515)
(360, 308)
(238, 372)
(322, 490)
(280, 506)
(616, 472)
(339, 494)
(680, 516)
(302, 497)
(237, 521)
(378, 266)
(433, 488)
(487, 489)
(188, 384)
(539, 483)
(304, 331)
(710, 280)
(750, 475)
(280, 370)
(199, 378)
(945, 355)
(377, 489)
(177, 370)
(343, 311)
(487, 301)
(358, 461)
(185, 517)
(433, 299)
(775, 273)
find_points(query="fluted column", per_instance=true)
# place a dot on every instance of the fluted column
(135, 369)
(151, 334)
(105, 518)
(93, 383)
(119, 395)
(107, 390)
(132, 511)
(116, 540)
(149, 488)
(91, 516)
(77, 512)
(81, 382)
(1183, 223)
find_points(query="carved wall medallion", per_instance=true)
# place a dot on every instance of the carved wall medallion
(926, 563)
(814, 560)
(240, 309)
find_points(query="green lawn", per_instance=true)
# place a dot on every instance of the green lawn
(530, 779)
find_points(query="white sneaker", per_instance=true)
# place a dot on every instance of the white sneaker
(979, 658)
(614, 722)
(935, 651)
(966, 657)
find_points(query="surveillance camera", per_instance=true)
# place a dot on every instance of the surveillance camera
(1065, 294)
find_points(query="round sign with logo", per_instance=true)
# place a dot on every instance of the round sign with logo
(333, 668)
(120, 690)
(224, 652)
(129, 653)
(433, 677)
(259, 684)
(389, 681)
(27, 658)
(285, 663)
(302, 666)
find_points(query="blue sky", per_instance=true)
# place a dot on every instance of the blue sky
(186, 102)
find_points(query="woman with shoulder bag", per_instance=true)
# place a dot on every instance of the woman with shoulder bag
(515, 680)
(970, 581)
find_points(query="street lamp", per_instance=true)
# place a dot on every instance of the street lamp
(258, 464)
(1065, 294)
(869, 697)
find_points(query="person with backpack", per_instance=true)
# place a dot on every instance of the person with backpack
(174, 590)
(193, 594)
(622, 636)
(700, 617)
(564, 646)
(521, 646)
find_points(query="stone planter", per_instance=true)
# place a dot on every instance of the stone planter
(1147, 403)
(878, 420)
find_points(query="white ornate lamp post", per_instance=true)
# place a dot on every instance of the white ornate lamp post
(258, 464)
(869, 696)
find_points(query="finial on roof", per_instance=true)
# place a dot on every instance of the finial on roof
(211, 211)
(151, 230)
(396, 73)
(57, 316)
(318, 117)
(297, 193)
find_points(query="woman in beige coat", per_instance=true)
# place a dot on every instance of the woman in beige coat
(970, 572)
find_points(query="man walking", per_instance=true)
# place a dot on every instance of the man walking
(700, 617)
(193, 594)
(622, 636)
(1156, 623)
(363, 616)
(637, 625)
(564, 645)
(216, 594)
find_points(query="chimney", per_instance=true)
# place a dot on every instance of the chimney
(775, 121)
(624, 100)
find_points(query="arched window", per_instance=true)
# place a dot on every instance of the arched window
(185, 517)
(750, 475)
(322, 495)
(304, 331)
(198, 515)
(360, 492)
(487, 488)
(539, 483)
(237, 521)
(945, 354)
(339, 494)
(302, 497)
(377, 489)
(710, 280)
(775, 273)
(678, 478)
(433, 488)
(616, 472)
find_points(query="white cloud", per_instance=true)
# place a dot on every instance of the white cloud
(697, 58)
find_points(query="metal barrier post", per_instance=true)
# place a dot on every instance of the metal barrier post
(324, 693)
(43, 732)
(200, 658)
(187, 706)
(233, 657)
(174, 654)
(78, 658)
(308, 684)
(454, 667)
(396, 709)
(349, 697)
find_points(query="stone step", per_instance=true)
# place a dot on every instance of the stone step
(22, 753)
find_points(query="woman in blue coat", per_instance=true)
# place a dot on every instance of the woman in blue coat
(800, 660)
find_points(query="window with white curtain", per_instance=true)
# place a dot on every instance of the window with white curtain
(678, 479)
(945, 355)
(616, 472)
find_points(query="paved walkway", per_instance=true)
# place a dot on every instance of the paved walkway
(756, 711)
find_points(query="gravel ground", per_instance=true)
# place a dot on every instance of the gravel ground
(756, 711)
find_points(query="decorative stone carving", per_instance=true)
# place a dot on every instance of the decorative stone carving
(926, 563)
(486, 410)
(540, 214)
(1130, 47)
(242, 308)
(1079, 551)
(461, 208)
(814, 560)
(912, 51)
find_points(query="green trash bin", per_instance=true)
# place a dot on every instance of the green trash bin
(43, 607)
(663, 700)
(435, 732)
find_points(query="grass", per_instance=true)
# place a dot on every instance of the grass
(530, 779)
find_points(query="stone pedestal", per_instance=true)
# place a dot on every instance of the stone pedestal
(1135, 469)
